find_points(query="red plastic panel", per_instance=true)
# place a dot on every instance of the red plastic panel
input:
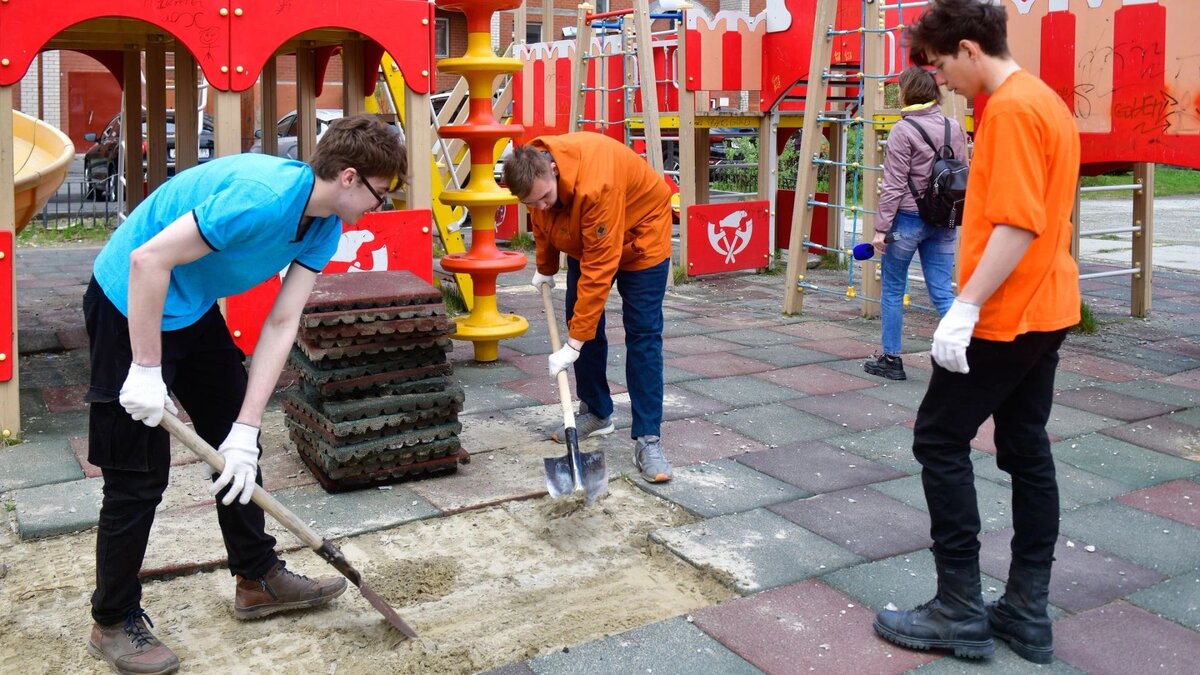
(728, 237)
(404, 28)
(8, 300)
(27, 25)
(390, 240)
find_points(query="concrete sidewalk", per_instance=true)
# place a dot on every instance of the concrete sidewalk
(797, 463)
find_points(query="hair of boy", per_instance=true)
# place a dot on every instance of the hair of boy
(363, 143)
(947, 22)
(918, 85)
(526, 165)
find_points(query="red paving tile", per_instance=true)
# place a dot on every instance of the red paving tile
(79, 446)
(698, 344)
(984, 440)
(691, 441)
(1188, 378)
(1111, 404)
(816, 330)
(1081, 579)
(541, 389)
(806, 627)
(854, 410)
(1102, 368)
(847, 348)
(65, 399)
(1120, 639)
(1186, 346)
(1178, 500)
(1162, 434)
(721, 364)
(816, 379)
(73, 338)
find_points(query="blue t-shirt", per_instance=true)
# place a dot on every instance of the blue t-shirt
(249, 209)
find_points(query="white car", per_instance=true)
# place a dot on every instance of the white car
(285, 131)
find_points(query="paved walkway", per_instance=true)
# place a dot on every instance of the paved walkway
(797, 464)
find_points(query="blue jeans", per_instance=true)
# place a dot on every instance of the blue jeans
(936, 245)
(642, 295)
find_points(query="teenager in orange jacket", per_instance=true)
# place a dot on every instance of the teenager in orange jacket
(598, 202)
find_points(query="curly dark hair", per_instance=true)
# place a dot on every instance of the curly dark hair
(946, 22)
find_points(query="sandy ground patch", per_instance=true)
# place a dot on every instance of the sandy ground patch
(483, 588)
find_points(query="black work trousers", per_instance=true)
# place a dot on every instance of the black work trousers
(1013, 382)
(205, 370)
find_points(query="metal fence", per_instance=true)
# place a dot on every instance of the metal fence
(79, 204)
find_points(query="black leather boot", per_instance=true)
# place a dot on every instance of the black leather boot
(1019, 617)
(954, 619)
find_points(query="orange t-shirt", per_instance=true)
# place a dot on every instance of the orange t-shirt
(1024, 173)
(615, 214)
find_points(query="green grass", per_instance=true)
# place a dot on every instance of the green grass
(82, 231)
(1167, 183)
(834, 261)
(679, 274)
(521, 241)
(1087, 320)
(452, 296)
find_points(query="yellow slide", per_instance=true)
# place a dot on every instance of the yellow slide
(41, 157)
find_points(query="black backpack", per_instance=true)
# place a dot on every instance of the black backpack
(942, 203)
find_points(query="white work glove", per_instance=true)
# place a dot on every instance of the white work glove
(539, 279)
(952, 336)
(562, 359)
(144, 395)
(240, 451)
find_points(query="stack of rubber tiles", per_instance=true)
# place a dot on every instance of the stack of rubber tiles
(375, 404)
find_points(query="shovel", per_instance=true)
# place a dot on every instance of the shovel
(323, 547)
(576, 470)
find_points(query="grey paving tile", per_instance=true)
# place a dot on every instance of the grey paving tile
(891, 446)
(755, 550)
(907, 393)
(1066, 422)
(58, 508)
(678, 404)
(777, 424)
(1076, 487)
(753, 337)
(1111, 404)
(818, 467)
(995, 512)
(474, 373)
(1123, 462)
(1177, 599)
(1004, 662)
(481, 398)
(741, 390)
(722, 487)
(674, 646)
(1163, 362)
(1163, 434)
(1157, 391)
(680, 328)
(349, 513)
(902, 581)
(36, 463)
(855, 410)
(862, 520)
(785, 355)
(1154, 542)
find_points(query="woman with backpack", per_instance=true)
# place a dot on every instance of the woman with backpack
(900, 230)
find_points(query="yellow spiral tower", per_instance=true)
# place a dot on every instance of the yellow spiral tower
(485, 326)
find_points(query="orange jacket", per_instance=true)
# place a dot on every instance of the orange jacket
(613, 213)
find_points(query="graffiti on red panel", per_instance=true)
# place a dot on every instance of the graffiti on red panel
(728, 237)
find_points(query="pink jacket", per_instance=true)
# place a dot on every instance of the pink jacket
(909, 155)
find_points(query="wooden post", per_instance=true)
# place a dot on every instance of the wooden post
(547, 20)
(306, 103)
(1143, 241)
(270, 106)
(649, 85)
(1075, 223)
(354, 75)
(579, 67)
(156, 113)
(810, 148)
(131, 128)
(872, 181)
(418, 133)
(187, 113)
(767, 130)
(10, 391)
(688, 159)
(227, 123)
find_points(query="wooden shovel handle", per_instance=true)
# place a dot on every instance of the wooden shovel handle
(564, 386)
(278, 511)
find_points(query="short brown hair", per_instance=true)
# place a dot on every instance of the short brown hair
(363, 143)
(918, 85)
(946, 22)
(526, 165)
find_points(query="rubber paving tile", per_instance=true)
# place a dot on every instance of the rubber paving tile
(1076, 487)
(755, 550)
(818, 467)
(785, 355)
(753, 337)
(1081, 579)
(1178, 500)
(847, 348)
(816, 379)
(721, 487)
(1163, 434)
(891, 446)
(678, 404)
(521, 668)
(41, 462)
(690, 345)
(855, 410)
(994, 500)
(1154, 542)
(1065, 422)
(694, 440)
(671, 646)
(806, 627)
(741, 390)
(817, 330)
(1189, 379)
(58, 508)
(907, 393)
(776, 424)
(370, 289)
(1123, 462)
(1154, 390)
(862, 520)
(1098, 367)
(719, 364)
(1177, 599)
(1112, 404)
(1120, 638)
(487, 431)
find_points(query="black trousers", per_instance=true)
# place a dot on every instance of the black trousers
(204, 369)
(1014, 383)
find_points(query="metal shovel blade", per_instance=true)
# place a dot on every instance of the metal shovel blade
(593, 473)
(386, 610)
(576, 471)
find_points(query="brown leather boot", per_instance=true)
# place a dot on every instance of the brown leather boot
(281, 590)
(130, 648)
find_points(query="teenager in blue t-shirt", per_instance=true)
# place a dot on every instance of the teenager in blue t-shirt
(212, 231)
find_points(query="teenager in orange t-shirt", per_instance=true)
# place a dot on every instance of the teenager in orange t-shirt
(597, 201)
(996, 351)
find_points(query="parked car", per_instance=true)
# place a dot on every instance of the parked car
(100, 160)
(285, 131)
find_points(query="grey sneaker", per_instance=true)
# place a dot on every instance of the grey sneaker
(650, 460)
(586, 424)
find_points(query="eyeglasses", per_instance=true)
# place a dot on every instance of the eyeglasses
(381, 199)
